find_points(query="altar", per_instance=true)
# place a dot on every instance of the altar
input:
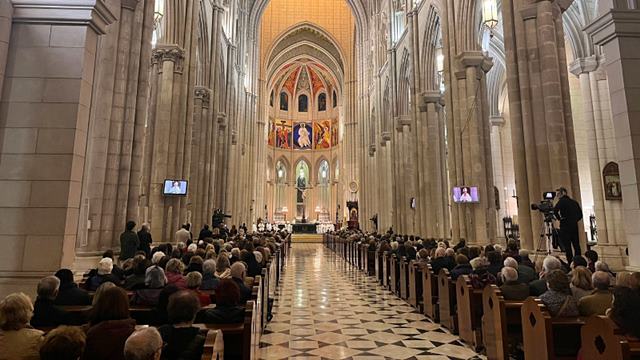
(305, 228)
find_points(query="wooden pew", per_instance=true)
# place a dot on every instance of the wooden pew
(548, 338)
(239, 341)
(469, 310)
(403, 280)
(379, 265)
(371, 261)
(394, 272)
(430, 290)
(447, 301)
(415, 285)
(602, 339)
(501, 323)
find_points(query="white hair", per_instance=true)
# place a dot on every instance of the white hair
(510, 262)
(498, 248)
(143, 344)
(105, 266)
(258, 256)
(209, 267)
(509, 274)
(157, 256)
(192, 248)
(551, 263)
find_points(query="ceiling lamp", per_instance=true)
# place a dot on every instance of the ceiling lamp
(490, 15)
(158, 12)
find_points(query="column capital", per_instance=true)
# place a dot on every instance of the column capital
(496, 120)
(430, 97)
(129, 4)
(204, 94)
(92, 13)
(386, 136)
(234, 137)
(402, 121)
(584, 65)
(476, 59)
(173, 53)
(372, 150)
(614, 24)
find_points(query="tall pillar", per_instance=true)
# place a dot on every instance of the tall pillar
(6, 14)
(201, 126)
(540, 107)
(617, 30)
(44, 116)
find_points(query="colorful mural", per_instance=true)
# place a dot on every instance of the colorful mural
(322, 134)
(271, 134)
(290, 83)
(316, 83)
(334, 132)
(282, 130)
(302, 136)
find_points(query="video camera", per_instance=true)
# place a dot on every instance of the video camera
(218, 217)
(546, 205)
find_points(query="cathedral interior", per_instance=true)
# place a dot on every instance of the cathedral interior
(444, 119)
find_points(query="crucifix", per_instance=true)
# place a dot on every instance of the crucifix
(302, 193)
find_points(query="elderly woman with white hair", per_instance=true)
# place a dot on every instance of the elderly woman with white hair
(103, 274)
(209, 279)
(19, 340)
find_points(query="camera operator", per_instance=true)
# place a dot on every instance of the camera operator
(569, 213)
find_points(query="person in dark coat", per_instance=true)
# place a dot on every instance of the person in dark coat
(209, 279)
(511, 288)
(145, 240)
(109, 326)
(137, 279)
(462, 268)
(183, 340)
(102, 275)
(569, 213)
(205, 233)
(238, 273)
(129, 242)
(69, 293)
(495, 263)
(45, 312)
(228, 309)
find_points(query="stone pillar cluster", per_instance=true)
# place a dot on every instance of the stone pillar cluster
(540, 107)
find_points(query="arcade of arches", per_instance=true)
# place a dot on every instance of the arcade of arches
(285, 110)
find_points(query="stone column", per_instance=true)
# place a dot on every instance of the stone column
(540, 107)
(6, 13)
(44, 112)
(198, 190)
(497, 126)
(617, 30)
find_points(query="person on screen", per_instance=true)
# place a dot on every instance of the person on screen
(175, 188)
(465, 196)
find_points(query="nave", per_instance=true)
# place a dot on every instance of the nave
(328, 309)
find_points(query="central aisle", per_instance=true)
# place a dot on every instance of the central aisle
(328, 309)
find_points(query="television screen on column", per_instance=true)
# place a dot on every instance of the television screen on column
(465, 194)
(174, 187)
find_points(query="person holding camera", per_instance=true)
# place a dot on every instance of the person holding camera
(569, 213)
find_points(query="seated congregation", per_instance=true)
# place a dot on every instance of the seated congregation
(505, 302)
(195, 300)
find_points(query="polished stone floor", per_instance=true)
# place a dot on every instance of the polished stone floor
(327, 309)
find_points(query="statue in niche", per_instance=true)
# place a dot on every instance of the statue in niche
(612, 186)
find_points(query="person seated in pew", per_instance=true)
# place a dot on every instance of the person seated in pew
(423, 257)
(144, 344)
(109, 326)
(581, 285)
(161, 314)
(137, 279)
(592, 258)
(511, 288)
(525, 274)
(69, 293)
(600, 300)
(603, 266)
(238, 274)
(578, 260)
(253, 269)
(194, 280)
(538, 287)
(183, 341)
(625, 310)
(103, 274)
(558, 298)
(45, 312)
(440, 261)
(525, 260)
(18, 339)
(195, 264)
(480, 276)
(154, 282)
(173, 272)
(628, 279)
(63, 343)
(223, 266)
(209, 279)
(228, 308)
(495, 263)
(411, 253)
(462, 267)
(512, 250)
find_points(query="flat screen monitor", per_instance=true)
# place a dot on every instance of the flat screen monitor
(174, 188)
(465, 194)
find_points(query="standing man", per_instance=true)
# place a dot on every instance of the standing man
(144, 236)
(569, 213)
(129, 242)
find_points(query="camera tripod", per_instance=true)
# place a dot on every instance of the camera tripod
(545, 243)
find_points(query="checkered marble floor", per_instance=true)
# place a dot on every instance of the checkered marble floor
(327, 309)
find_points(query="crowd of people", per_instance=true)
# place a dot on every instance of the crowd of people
(177, 282)
(583, 287)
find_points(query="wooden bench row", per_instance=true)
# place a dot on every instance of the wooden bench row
(483, 318)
